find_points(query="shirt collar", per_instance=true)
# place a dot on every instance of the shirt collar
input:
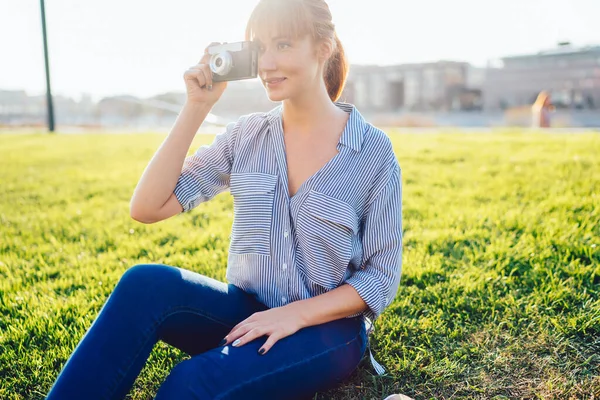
(353, 134)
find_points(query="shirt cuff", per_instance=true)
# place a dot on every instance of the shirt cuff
(186, 194)
(369, 289)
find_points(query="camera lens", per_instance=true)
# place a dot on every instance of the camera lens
(221, 63)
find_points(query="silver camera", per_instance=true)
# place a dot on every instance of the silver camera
(233, 61)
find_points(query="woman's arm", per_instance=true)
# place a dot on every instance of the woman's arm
(340, 302)
(158, 181)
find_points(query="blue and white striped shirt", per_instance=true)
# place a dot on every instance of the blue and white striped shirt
(344, 224)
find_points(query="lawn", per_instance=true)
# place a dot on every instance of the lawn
(500, 291)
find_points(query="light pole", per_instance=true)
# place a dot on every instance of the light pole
(48, 89)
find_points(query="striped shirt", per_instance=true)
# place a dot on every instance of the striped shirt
(343, 225)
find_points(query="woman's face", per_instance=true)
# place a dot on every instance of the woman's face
(287, 67)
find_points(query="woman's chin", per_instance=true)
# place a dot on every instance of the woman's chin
(276, 96)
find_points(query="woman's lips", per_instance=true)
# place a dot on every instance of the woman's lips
(274, 81)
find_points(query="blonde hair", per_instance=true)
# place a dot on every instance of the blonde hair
(296, 18)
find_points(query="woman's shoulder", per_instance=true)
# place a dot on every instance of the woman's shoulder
(249, 125)
(378, 142)
(247, 129)
(372, 138)
(254, 122)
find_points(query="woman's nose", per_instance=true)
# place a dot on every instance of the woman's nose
(266, 61)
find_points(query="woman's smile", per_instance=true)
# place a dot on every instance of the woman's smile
(273, 82)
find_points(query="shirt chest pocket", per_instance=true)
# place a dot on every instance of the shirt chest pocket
(327, 230)
(253, 195)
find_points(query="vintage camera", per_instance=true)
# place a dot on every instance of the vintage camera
(234, 61)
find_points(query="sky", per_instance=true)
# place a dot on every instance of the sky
(143, 47)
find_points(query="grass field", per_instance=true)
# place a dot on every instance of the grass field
(500, 291)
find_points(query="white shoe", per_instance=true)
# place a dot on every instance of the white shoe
(398, 397)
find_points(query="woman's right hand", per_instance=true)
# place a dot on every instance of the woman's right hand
(199, 84)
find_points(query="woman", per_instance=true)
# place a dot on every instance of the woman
(316, 240)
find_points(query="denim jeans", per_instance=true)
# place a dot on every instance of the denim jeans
(193, 312)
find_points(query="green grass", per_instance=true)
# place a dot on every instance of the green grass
(499, 296)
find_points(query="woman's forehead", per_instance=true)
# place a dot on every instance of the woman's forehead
(272, 33)
(272, 37)
(278, 19)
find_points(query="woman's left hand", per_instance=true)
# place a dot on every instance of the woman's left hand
(277, 323)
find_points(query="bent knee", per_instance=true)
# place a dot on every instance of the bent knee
(190, 379)
(146, 275)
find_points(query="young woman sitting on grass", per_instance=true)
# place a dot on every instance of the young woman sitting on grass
(316, 246)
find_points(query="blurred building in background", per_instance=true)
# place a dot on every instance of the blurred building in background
(425, 94)
(441, 86)
(571, 75)
(18, 108)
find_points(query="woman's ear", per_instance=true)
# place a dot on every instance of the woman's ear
(325, 50)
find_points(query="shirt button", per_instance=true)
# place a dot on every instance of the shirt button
(283, 299)
(284, 266)
(285, 234)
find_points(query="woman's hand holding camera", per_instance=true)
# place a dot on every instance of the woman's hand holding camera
(199, 84)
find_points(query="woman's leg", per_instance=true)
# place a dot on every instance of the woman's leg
(313, 359)
(151, 302)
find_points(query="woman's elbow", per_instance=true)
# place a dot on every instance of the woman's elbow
(171, 208)
(141, 217)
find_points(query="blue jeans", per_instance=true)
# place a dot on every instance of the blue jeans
(193, 312)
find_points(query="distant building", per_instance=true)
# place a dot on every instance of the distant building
(16, 107)
(445, 88)
(571, 74)
(442, 85)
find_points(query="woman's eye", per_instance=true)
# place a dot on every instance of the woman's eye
(283, 45)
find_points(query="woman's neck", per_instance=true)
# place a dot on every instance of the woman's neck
(304, 116)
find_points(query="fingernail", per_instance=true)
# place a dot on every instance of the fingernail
(237, 341)
(261, 351)
(223, 342)
(209, 87)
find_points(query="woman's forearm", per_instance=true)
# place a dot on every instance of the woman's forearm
(160, 176)
(340, 302)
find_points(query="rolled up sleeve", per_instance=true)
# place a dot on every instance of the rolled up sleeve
(206, 173)
(378, 279)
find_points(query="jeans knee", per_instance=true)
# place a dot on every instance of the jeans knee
(179, 385)
(143, 276)
(179, 373)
